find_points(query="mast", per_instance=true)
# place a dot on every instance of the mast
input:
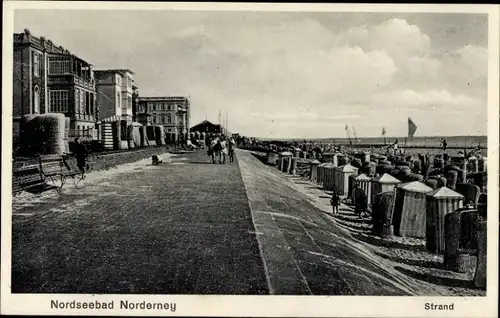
(383, 135)
(219, 118)
(355, 136)
(227, 122)
(348, 134)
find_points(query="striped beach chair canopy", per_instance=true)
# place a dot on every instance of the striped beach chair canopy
(109, 119)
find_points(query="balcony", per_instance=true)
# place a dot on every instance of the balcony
(71, 79)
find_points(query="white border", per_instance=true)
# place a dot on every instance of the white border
(292, 306)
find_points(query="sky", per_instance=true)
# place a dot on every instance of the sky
(293, 74)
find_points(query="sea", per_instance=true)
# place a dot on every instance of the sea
(412, 146)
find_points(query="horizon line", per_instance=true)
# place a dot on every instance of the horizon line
(398, 137)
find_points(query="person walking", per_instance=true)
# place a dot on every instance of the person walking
(81, 154)
(231, 145)
(335, 202)
(224, 150)
(444, 144)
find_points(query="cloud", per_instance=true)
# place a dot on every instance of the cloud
(395, 36)
(303, 82)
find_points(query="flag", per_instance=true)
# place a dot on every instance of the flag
(411, 128)
(346, 127)
(383, 131)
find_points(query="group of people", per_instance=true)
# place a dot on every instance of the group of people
(220, 147)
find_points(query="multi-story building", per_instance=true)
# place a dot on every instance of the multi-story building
(135, 102)
(49, 79)
(115, 93)
(170, 112)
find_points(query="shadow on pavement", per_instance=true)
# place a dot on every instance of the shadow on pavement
(201, 162)
(352, 220)
(438, 280)
(413, 262)
(301, 182)
(386, 243)
(315, 187)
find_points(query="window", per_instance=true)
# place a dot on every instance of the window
(169, 119)
(58, 101)
(36, 64)
(87, 103)
(129, 102)
(82, 101)
(91, 100)
(36, 101)
(77, 100)
(119, 100)
(169, 107)
(150, 107)
(59, 65)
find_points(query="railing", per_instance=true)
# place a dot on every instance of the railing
(72, 79)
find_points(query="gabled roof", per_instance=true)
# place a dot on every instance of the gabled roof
(445, 193)
(329, 165)
(204, 122)
(387, 178)
(415, 186)
(347, 168)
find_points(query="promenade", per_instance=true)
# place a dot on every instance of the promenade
(191, 227)
(183, 227)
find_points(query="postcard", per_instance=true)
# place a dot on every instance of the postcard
(244, 159)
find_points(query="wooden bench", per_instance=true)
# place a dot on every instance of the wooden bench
(56, 169)
(51, 172)
(27, 178)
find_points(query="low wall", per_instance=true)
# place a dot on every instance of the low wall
(108, 161)
(100, 162)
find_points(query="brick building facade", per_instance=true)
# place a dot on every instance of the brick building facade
(170, 112)
(49, 79)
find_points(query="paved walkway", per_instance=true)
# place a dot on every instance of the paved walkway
(183, 227)
(305, 252)
(190, 227)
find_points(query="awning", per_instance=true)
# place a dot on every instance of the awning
(110, 119)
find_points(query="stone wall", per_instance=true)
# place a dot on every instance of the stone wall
(107, 161)
(28, 170)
